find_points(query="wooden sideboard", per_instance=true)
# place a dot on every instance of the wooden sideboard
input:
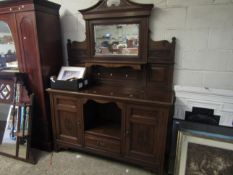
(126, 113)
(126, 125)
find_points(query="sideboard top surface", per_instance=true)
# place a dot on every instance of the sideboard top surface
(122, 94)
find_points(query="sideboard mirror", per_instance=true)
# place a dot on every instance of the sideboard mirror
(16, 106)
(116, 39)
(116, 33)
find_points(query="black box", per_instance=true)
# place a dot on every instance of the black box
(202, 115)
(73, 85)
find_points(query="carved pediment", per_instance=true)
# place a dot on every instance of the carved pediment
(116, 8)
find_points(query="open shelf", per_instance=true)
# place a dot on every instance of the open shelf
(111, 130)
(102, 119)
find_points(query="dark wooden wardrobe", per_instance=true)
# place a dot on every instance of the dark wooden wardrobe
(35, 28)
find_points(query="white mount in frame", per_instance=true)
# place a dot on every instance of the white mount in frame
(68, 73)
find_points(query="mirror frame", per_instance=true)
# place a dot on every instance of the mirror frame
(126, 12)
(141, 51)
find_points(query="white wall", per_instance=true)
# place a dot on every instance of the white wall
(204, 52)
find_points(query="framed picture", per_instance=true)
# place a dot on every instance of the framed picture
(68, 72)
(203, 153)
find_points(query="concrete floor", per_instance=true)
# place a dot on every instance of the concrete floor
(68, 163)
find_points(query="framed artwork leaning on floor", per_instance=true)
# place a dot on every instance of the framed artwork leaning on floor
(203, 153)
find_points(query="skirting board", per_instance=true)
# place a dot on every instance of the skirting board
(219, 100)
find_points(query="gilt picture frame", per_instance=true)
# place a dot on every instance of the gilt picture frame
(69, 72)
(203, 153)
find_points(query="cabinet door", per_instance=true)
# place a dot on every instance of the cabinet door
(31, 64)
(145, 134)
(67, 119)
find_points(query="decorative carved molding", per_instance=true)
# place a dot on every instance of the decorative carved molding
(116, 9)
(161, 51)
(6, 91)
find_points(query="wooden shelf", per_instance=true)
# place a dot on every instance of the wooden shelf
(111, 131)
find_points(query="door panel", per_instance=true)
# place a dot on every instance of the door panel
(68, 118)
(143, 133)
(30, 55)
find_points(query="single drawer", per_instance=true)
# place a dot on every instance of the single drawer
(67, 103)
(102, 143)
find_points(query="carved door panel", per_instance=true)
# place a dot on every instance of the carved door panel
(31, 64)
(142, 132)
(30, 55)
(68, 119)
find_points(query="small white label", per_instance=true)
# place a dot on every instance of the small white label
(85, 82)
(80, 85)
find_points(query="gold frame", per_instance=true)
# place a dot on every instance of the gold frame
(197, 137)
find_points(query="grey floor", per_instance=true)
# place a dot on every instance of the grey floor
(68, 163)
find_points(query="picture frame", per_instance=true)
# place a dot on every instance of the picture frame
(69, 72)
(203, 153)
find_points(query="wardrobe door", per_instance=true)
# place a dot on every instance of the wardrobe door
(30, 52)
(26, 23)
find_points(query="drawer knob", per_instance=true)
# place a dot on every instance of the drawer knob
(100, 143)
(127, 132)
(97, 142)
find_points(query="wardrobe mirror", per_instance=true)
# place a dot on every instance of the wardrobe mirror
(15, 117)
(7, 129)
(7, 48)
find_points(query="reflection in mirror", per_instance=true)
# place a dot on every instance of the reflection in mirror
(15, 116)
(23, 134)
(23, 148)
(7, 48)
(116, 39)
(8, 127)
